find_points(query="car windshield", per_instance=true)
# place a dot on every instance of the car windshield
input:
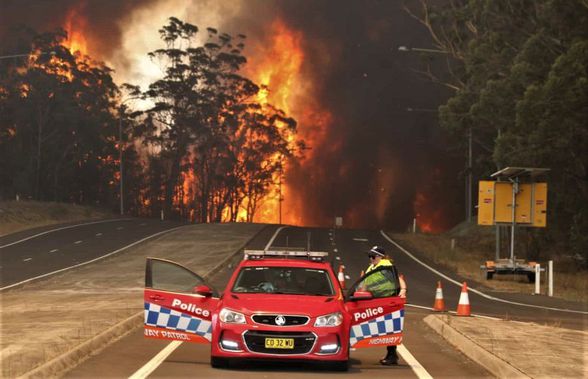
(284, 280)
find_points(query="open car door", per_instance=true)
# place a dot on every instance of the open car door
(376, 310)
(178, 303)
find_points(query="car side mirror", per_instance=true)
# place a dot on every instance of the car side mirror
(362, 295)
(202, 290)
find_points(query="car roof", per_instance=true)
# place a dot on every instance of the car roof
(269, 262)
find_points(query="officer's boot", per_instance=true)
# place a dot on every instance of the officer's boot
(391, 357)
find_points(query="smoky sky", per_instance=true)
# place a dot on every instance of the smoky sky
(384, 153)
(369, 85)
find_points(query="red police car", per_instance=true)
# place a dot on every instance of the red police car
(278, 305)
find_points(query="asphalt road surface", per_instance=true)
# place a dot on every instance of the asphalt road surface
(436, 357)
(41, 251)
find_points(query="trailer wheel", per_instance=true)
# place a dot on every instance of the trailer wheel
(489, 275)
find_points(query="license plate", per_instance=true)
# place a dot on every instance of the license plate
(279, 343)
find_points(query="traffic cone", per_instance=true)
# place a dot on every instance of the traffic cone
(463, 308)
(341, 276)
(361, 274)
(439, 305)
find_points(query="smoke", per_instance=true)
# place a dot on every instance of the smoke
(369, 157)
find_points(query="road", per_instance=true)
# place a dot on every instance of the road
(437, 357)
(30, 254)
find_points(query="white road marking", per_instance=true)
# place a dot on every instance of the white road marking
(98, 234)
(54, 250)
(143, 224)
(92, 260)
(150, 366)
(274, 237)
(335, 250)
(361, 239)
(471, 289)
(78, 242)
(27, 259)
(63, 228)
(418, 369)
(120, 228)
(452, 312)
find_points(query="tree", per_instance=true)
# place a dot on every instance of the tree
(206, 121)
(57, 108)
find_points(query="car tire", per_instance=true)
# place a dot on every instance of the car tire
(217, 362)
(339, 365)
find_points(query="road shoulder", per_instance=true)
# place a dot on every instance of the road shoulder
(515, 349)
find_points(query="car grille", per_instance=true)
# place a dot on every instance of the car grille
(271, 320)
(303, 342)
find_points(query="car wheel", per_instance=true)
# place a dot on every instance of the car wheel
(218, 362)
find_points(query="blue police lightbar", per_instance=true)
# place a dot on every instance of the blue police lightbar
(317, 256)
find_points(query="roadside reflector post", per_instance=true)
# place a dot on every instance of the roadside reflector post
(550, 278)
(414, 225)
(537, 279)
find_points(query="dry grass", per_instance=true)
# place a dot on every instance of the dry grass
(21, 215)
(472, 251)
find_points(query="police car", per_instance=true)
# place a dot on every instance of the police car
(277, 305)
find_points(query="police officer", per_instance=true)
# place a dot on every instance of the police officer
(378, 258)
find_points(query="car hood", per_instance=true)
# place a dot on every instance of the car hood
(282, 304)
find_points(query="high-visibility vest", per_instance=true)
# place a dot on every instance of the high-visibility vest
(382, 262)
(378, 284)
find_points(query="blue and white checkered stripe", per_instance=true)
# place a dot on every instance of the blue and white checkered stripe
(380, 326)
(162, 317)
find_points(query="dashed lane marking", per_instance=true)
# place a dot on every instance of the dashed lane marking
(120, 228)
(361, 239)
(93, 260)
(27, 259)
(54, 250)
(471, 289)
(62, 228)
(98, 234)
(78, 242)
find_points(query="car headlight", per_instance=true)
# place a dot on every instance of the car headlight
(332, 319)
(229, 316)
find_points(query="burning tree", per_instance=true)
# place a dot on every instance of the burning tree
(222, 148)
(57, 133)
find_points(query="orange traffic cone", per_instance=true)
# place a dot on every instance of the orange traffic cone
(463, 308)
(341, 276)
(439, 305)
(361, 274)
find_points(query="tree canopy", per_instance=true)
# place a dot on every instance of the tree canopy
(518, 69)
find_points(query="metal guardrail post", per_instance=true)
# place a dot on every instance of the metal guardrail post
(537, 279)
(550, 278)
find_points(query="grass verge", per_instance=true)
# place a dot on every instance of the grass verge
(473, 249)
(20, 215)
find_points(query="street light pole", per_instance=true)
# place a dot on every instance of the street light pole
(120, 160)
(469, 178)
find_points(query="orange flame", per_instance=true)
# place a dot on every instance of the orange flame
(429, 216)
(284, 84)
(75, 24)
